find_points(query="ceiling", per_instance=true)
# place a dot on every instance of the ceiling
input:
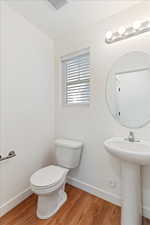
(74, 16)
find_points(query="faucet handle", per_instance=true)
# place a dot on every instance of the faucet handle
(131, 133)
(131, 137)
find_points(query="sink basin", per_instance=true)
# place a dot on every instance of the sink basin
(135, 152)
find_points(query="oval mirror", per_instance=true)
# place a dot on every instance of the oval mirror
(128, 90)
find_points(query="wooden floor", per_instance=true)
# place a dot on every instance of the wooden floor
(81, 208)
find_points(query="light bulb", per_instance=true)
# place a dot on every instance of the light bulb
(108, 35)
(136, 25)
(121, 30)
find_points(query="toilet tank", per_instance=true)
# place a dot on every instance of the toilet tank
(68, 152)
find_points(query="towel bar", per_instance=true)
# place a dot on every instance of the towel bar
(11, 154)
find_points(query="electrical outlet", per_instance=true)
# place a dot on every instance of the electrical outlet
(112, 183)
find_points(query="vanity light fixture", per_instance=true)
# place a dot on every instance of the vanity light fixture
(137, 28)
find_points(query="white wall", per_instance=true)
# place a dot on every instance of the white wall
(26, 104)
(93, 124)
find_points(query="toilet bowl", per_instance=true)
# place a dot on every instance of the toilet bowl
(49, 182)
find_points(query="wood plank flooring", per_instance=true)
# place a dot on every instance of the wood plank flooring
(81, 208)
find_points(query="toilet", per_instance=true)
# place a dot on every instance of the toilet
(49, 182)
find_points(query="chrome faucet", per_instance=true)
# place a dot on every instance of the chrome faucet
(131, 137)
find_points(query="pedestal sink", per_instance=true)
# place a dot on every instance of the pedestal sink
(133, 155)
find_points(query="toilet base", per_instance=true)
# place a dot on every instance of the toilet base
(49, 204)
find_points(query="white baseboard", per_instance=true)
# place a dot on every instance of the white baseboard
(14, 201)
(94, 190)
(115, 199)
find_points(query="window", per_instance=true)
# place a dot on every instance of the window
(76, 69)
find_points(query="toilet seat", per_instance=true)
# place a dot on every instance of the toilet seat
(48, 177)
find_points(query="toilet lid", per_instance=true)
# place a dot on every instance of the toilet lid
(48, 176)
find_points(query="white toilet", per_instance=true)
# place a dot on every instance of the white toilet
(49, 182)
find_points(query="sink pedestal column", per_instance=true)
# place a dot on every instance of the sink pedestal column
(131, 194)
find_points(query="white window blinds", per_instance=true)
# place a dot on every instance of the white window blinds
(77, 78)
